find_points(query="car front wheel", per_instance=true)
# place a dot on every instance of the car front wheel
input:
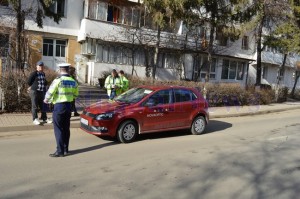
(127, 131)
(198, 125)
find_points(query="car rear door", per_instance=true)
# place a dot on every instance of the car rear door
(185, 106)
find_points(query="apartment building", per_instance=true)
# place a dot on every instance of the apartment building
(100, 35)
(54, 43)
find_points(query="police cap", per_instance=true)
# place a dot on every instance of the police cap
(64, 65)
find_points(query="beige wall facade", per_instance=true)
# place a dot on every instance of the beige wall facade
(35, 44)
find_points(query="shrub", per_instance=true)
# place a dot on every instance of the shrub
(218, 94)
(103, 76)
(282, 94)
(14, 86)
(297, 94)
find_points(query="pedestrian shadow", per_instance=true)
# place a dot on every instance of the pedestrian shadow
(91, 148)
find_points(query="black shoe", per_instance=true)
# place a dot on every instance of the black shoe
(66, 153)
(76, 114)
(55, 155)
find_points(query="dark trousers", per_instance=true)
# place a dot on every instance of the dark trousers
(112, 94)
(61, 123)
(74, 109)
(37, 98)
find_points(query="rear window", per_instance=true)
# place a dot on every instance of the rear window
(183, 95)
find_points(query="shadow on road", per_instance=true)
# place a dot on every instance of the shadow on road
(91, 148)
(213, 127)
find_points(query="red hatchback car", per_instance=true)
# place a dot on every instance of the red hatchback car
(147, 109)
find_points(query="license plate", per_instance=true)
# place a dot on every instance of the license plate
(84, 121)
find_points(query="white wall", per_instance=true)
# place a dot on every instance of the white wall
(69, 25)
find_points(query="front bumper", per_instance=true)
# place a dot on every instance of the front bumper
(96, 130)
(92, 126)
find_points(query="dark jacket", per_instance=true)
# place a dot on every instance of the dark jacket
(33, 81)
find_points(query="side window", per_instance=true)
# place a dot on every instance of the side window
(182, 95)
(160, 97)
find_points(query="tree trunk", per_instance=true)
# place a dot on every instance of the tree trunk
(156, 57)
(259, 51)
(281, 68)
(132, 55)
(148, 68)
(295, 84)
(19, 64)
(210, 52)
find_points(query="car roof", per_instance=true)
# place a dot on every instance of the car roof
(165, 87)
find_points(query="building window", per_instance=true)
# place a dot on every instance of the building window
(281, 72)
(220, 37)
(4, 3)
(245, 43)
(116, 14)
(264, 72)
(60, 48)
(168, 60)
(113, 14)
(4, 45)
(240, 70)
(204, 68)
(272, 49)
(58, 7)
(119, 55)
(48, 47)
(233, 70)
(53, 47)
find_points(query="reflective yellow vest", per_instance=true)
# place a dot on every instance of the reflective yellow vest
(62, 89)
(124, 83)
(109, 82)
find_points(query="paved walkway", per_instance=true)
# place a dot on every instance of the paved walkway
(23, 122)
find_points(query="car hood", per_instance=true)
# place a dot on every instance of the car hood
(105, 106)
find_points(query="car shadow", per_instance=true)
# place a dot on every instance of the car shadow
(214, 126)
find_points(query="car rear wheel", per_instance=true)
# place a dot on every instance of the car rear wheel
(198, 125)
(127, 131)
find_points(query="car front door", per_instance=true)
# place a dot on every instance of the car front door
(158, 111)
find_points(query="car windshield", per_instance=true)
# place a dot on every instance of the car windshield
(133, 95)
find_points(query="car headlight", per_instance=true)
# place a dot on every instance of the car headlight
(104, 116)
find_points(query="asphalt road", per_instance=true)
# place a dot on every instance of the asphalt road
(246, 157)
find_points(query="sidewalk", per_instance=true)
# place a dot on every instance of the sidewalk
(23, 122)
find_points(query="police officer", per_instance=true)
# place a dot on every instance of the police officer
(63, 90)
(113, 85)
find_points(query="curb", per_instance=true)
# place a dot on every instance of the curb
(34, 127)
(253, 113)
(76, 123)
